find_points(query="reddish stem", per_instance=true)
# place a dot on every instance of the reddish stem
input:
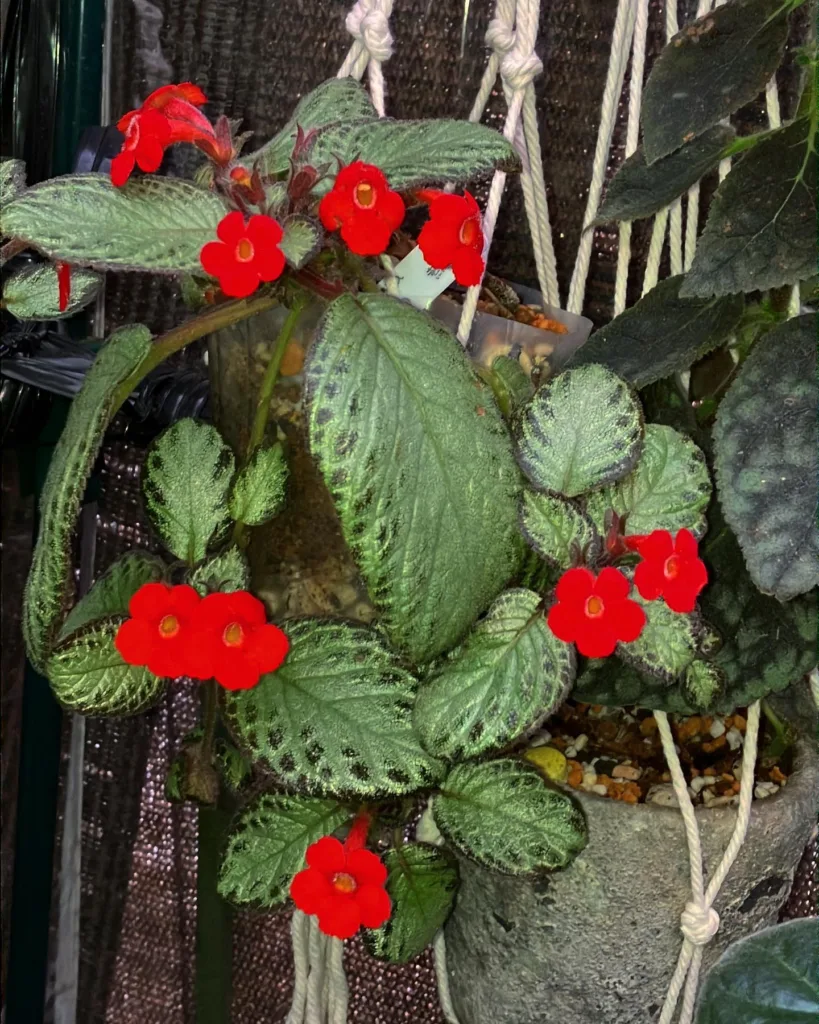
(357, 837)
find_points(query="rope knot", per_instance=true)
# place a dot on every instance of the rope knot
(699, 924)
(368, 22)
(500, 36)
(518, 69)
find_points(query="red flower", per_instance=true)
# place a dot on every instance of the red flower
(247, 253)
(595, 612)
(669, 569)
(64, 285)
(147, 135)
(161, 632)
(363, 205)
(343, 886)
(241, 645)
(452, 237)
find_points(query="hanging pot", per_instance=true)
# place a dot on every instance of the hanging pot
(598, 942)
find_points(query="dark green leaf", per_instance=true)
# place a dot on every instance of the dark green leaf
(669, 488)
(661, 334)
(50, 579)
(33, 293)
(639, 190)
(505, 816)
(767, 978)
(234, 767)
(711, 68)
(416, 153)
(156, 224)
(582, 430)
(761, 228)
(339, 99)
(557, 529)
(610, 682)
(668, 643)
(188, 472)
(267, 845)
(301, 240)
(510, 385)
(337, 716)
(704, 682)
(87, 674)
(765, 441)
(510, 672)
(419, 463)
(112, 592)
(12, 182)
(225, 572)
(259, 488)
(422, 883)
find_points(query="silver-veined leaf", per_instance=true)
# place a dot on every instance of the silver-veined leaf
(112, 592)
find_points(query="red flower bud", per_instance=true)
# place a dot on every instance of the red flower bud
(64, 285)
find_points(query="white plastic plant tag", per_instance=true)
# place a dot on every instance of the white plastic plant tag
(418, 282)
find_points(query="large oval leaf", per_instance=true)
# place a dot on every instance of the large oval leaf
(33, 293)
(112, 592)
(510, 672)
(422, 883)
(337, 716)
(582, 430)
(50, 578)
(669, 488)
(767, 978)
(87, 674)
(156, 224)
(766, 445)
(505, 816)
(267, 844)
(420, 466)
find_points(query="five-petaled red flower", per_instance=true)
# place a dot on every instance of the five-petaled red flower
(162, 632)
(246, 254)
(363, 205)
(452, 237)
(241, 645)
(64, 285)
(343, 886)
(671, 569)
(595, 612)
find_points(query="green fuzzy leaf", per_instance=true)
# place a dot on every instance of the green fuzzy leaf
(510, 385)
(420, 466)
(339, 99)
(234, 767)
(582, 430)
(711, 68)
(156, 224)
(768, 978)
(188, 471)
(112, 592)
(509, 674)
(703, 683)
(761, 228)
(224, 573)
(506, 817)
(661, 334)
(639, 190)
(50, 580)
(668, 643)
(259, 489)
(87, 674)
(765, 444)
(557, 529)
(669, 488)
(12, 182)
(422, 883)
(33, 292)
(416, 153)
(301, 240)
(267, 845)
(337, 716)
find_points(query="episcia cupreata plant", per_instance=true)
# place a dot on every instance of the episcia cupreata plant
(519, 544)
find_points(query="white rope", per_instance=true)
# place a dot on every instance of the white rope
(655, 251)
(635, 98)
(369, 24)
(675, 244)
(320, 994)
(814, 685)
(315, 1009)
(620, 46)
(299, 932)
(699, 921)
(692, 211)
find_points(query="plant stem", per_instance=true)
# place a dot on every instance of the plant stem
(782, 735)
(210, 709)
(271, 375)
(11, 249)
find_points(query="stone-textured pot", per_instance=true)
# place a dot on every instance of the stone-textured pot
(597, 943)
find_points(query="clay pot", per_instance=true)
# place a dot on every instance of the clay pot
(598, 942)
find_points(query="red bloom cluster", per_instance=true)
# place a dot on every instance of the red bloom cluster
(343, 884)
(170, 114)
(670, 568)
(364, 207)
(453, 237)
(246, 254)
(595, 612)
(175, 632)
